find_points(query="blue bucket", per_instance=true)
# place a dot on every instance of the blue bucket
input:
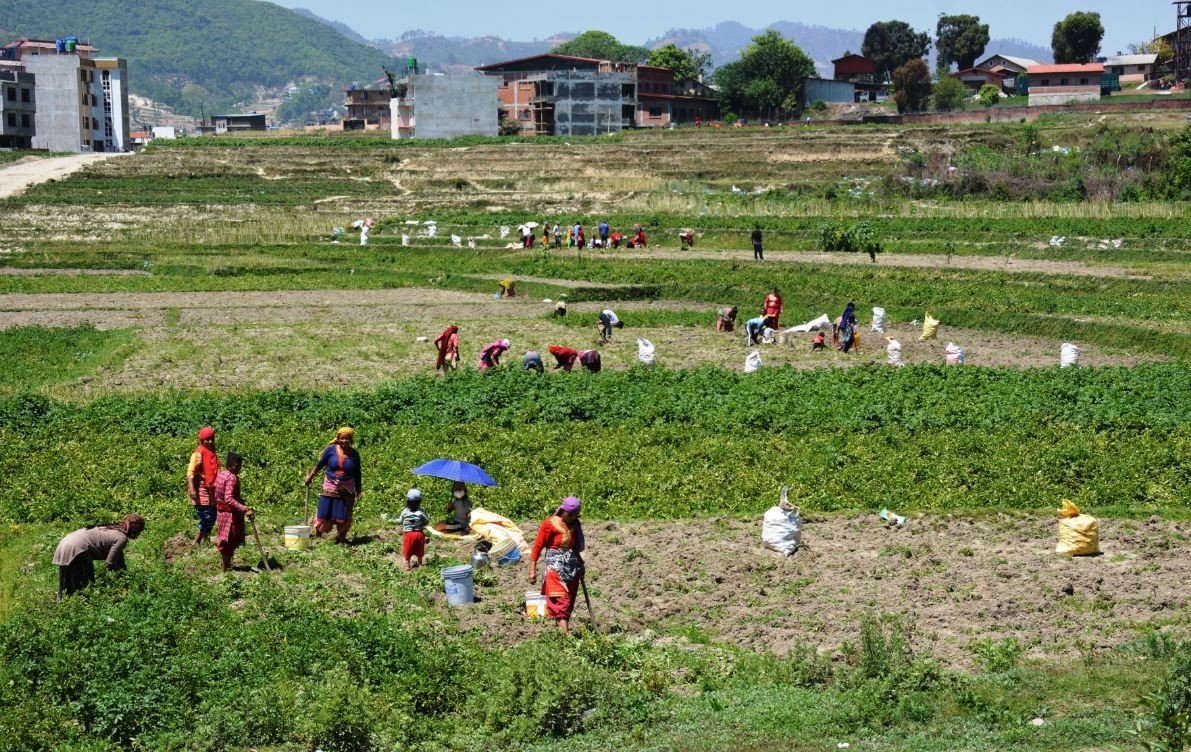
(457, 584)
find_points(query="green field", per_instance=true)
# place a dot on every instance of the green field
(195, 283)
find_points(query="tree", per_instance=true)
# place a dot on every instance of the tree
(1076, 39)
(989, 95)
(911, 86)
(892, 44)
(960, 40)
(603, 46)
(685, 63)
(769, 76)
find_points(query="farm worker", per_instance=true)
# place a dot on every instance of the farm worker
(565, 357)
(590, 360)
(342, 487)
(604, 232)
(560, 309)
(532, 361)
(448, 349)
(230, 511)
(413, 522)
(773, 306)
(617, 238)
(200, 482)
(460, 507)
(490, 355)
(557, 236)
(843, 331)
(638, 240)
(77, 552)
(817, 342)
(560, 536)
(687, 238)
(755, 328)
(725, 320)
(508, 288)
(608, 320)
(758, 253)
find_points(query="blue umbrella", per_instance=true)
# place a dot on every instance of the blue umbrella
(464, 472)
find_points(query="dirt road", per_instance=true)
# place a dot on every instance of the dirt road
(23, 173)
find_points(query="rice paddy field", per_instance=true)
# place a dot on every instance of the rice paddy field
(197, 282)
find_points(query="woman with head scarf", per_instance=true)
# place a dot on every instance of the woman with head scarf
(77, 553)
(448, 349)
(200, 482)
(560, 536)
(342, 485)
(843, 332)
(564, 357)
(490, 355)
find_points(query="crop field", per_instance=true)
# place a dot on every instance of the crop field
(197, 283)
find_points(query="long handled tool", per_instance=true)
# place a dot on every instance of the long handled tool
(261, 548)
(587, 600)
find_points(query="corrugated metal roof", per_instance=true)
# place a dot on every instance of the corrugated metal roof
(1070, 68)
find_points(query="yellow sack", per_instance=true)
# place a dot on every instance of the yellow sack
(1079, 534)
(930, 327)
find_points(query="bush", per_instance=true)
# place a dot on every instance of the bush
(509, 127)
(854, 237)
(989, 95)
(950, 94)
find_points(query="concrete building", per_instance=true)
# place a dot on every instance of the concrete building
(607, 95)
(976, 78)
(1064, 84)
(18, 109)
(1132, 69)
(445, 107)
(82, 100)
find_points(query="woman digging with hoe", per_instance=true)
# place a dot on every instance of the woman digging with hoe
(561, 537)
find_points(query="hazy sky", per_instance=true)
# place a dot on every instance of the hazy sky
(635, 21)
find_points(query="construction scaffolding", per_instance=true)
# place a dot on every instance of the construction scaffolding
(1181, 40)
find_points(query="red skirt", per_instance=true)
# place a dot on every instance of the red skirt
(413, 544)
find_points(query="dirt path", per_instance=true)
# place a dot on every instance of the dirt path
(23, 173)
(910, 260)
(955, 580)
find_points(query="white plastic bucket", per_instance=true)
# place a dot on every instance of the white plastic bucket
(297, 537)
(457, 583)
(535, 604)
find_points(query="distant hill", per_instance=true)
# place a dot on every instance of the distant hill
(214, 54)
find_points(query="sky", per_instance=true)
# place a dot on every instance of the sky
(634, 21)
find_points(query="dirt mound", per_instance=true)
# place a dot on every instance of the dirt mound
(956, 581)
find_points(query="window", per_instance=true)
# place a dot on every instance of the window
(24, 121)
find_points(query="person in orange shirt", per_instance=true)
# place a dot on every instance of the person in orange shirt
(561, 537)
(773, 307)
(200, 482)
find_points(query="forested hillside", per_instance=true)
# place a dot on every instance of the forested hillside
(212, 54)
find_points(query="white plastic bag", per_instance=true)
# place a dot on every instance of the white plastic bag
(955, 354)
(1068, 355)
(822, 322)
(645, 352)
(752, 362)
(878, 320)
(894, 351)
(781, 529)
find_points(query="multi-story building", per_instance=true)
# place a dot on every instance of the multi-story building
(18, 107)
(82, 100)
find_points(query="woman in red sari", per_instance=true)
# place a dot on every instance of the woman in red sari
(561, 537)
